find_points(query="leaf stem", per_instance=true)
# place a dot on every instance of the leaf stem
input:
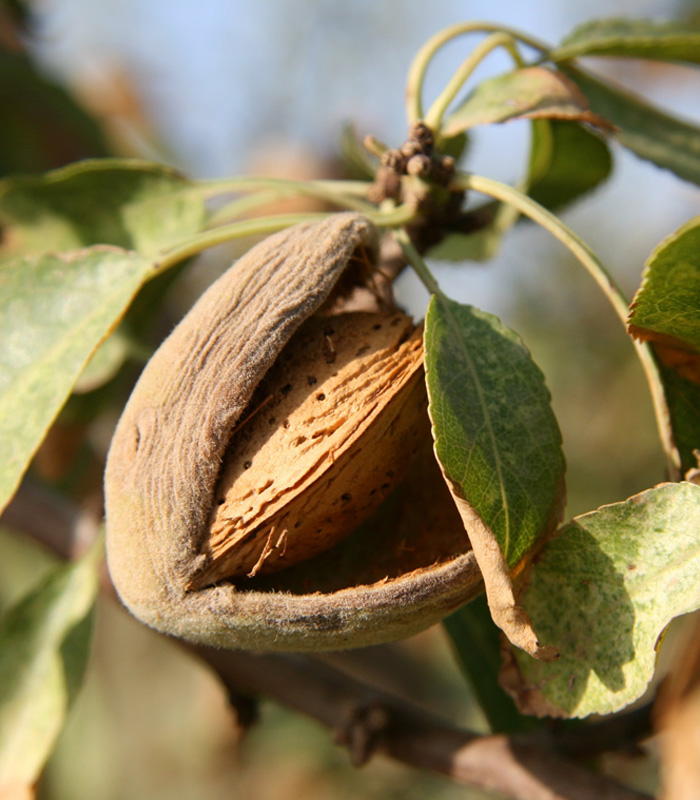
(415, 259)
(433, 119)
(345, 194)
(611, 289)
(419, 66)
(217, 186)
(399, 215)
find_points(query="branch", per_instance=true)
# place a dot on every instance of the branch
(369, 721)
(364, 719)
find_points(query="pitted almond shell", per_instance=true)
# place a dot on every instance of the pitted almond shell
(398, 573)
(332, 429)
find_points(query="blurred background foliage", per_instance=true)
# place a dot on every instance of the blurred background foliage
(219, 88)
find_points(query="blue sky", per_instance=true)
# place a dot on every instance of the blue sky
(224, 78)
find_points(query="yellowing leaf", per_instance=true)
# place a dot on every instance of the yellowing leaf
(531, 92)
(54, 312)
(604, 589)
(132, 204)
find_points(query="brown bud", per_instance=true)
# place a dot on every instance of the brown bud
(419, 165)
(410, 149)
(419, 132)
(394, 159)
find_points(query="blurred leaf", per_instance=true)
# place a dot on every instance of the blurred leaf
(135, 205)
(104, 363)
(41, 125)
(478, 246)
(357, 161)
(482, 244)
(683, 401)
(652, 134)
(44, 647)
(677, 716)
(455, 146)
(495, 433)
(633, 38)
(666, 307)
(567, 160)
(619, 575)
(531, 92)
(54, 312)
(478, 644)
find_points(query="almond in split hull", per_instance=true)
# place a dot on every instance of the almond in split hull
(331, 430)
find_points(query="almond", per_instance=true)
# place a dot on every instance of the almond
(330, 432)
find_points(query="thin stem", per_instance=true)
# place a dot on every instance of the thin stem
(242, 205)
(400, 215)
(228, 233)
(346, 194)
(556, 227)
(374, 146)
(415, 259)
(218, 186)
(433, 119)
(611, 289)
(419, 66)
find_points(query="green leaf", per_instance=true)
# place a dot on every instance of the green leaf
(531, 92)
(105, 362)
(633, 38)
(604, 589)
(478, 644)
(456, 146)
(652, 134)
(566, 162)
(130, 204)
(496, 436)
(54, 312)
(44, 647)
(683, 401)
(480, 245)
(666, 307)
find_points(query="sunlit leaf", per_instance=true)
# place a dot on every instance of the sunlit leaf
(54, 312)
(619, 575)
(499, 447)
(652, 134)
(634, 38)
(666, 308)
(131, 204)
(531, 92)
(567, 161)
(44, 646)
(495, 433)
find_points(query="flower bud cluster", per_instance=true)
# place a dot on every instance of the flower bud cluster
(416, 157)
